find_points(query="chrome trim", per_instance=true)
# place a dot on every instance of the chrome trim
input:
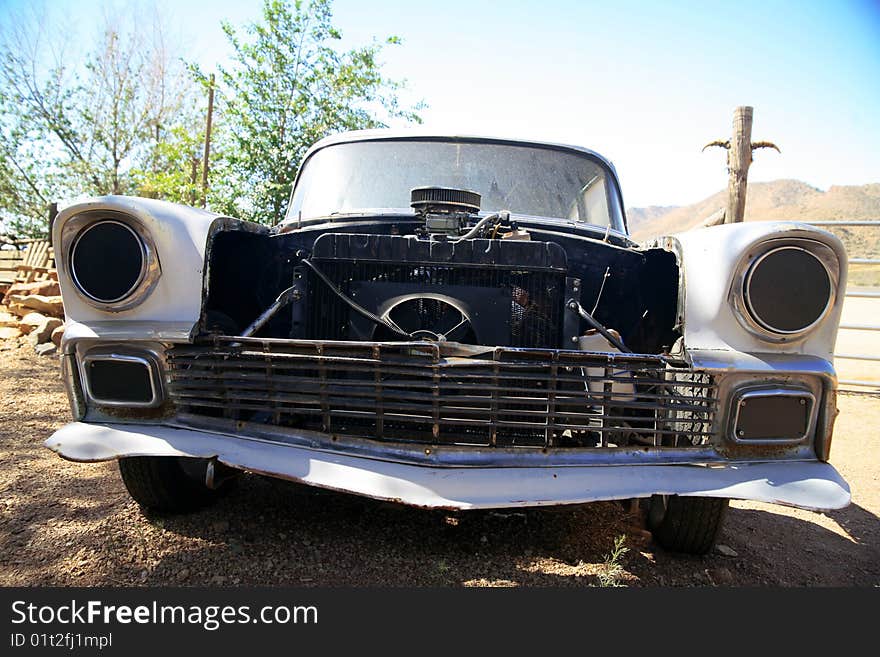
(71, 379)
(446, 456)
(145, 358)
(737, 297)
(151, 270)
(740, 398)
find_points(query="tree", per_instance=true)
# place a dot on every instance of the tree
(25, 189)
(288, 87)
(33, 86)
(69, 129)
(127, 120)
(135, 95)
(173, 172)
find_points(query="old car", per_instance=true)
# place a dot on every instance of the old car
(459, 323)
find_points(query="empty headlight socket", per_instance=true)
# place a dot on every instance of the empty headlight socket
(823, 253)
(150, 270)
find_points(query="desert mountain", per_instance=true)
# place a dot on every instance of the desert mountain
(790, 200)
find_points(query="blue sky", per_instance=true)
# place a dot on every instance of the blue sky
(644, 83)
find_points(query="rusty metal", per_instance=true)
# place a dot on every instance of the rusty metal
(72, 385)
(508, 397)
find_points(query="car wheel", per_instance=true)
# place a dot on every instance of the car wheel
(686, 524)
(168, 483)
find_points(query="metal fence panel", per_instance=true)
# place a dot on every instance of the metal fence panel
(858, 385)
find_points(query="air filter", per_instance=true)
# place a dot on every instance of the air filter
(444, 200)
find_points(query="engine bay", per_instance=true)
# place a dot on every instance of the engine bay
(446, 274)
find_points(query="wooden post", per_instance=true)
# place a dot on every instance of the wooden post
(205, 164)
(739, 157)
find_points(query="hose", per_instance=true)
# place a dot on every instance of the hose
(479, 227)
(576, 307)
(360, 310)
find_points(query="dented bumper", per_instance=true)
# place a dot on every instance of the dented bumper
(805, 484)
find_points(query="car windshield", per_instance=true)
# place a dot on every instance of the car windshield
(528, 180)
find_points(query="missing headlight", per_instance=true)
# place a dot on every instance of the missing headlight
(110, 258)
(788, 290)
(108, 261)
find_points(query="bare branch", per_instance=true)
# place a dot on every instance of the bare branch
(765, 144)
(717, 142)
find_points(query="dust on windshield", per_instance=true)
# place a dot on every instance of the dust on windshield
(527, 180)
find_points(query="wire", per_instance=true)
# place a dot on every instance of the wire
(363, 312)
(601, 287)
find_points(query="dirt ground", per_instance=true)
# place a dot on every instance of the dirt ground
(70, 524)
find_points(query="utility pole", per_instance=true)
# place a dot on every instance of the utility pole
(194, 179)
(53, 212)
(205, 163)
(739, 157)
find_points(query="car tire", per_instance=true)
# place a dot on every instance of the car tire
(168, 484)
(686, 524)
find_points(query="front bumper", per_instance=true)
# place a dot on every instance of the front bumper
(805, 484)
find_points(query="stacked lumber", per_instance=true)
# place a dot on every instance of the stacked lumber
(31, 313)
(27, 261)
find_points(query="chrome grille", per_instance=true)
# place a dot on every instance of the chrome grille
(446, 393)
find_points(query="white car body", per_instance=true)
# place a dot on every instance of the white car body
(713, 339)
